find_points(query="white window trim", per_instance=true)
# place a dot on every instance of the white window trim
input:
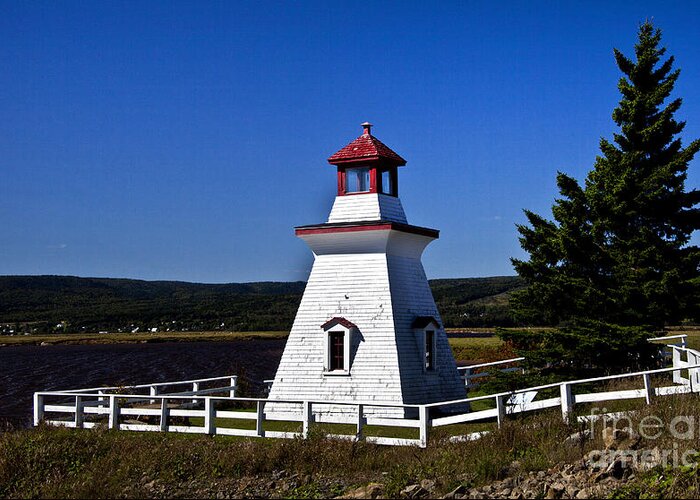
(433, 349)
(421, 335)
(347, 340)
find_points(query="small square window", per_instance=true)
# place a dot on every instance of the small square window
(357, 180)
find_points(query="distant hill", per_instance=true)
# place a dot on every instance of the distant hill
(475, 302)
(42, 303)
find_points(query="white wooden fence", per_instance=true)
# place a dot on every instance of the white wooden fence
(85, 408)
(472, 373)
(81, 406)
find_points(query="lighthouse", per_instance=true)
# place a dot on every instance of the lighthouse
(367, 329)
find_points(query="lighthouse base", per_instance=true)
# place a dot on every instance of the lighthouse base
(380, 295)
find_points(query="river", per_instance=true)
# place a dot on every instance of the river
(29, 368)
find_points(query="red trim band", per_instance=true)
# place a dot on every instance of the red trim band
(383, 161)
(375, 226)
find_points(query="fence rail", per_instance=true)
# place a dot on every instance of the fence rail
(470, 373)
(682, 342)
(85, 408)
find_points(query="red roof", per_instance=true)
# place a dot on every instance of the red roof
(334, 321)
(366, 148)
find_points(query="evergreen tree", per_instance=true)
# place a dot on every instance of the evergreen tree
(615, 264)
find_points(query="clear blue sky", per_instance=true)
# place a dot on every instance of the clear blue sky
(185, 140)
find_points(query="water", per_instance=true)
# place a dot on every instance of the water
(27, 369)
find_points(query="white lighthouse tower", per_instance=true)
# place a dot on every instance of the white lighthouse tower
(367, 328)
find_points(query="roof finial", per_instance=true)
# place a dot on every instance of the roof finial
(368, 128)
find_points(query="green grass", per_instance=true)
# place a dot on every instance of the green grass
(485, 349)
(479, 349)
(693, 333)
(47, 462)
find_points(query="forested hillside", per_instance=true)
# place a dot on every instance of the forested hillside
(67, 303)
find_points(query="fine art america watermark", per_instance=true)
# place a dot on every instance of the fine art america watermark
(622, 436)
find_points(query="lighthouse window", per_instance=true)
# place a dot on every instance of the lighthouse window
(429, 350)
(338, 338)
(357, 180)
(337, 351)
(387, 185)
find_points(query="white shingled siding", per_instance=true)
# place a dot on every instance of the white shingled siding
(366, 207)
(355, 287)
(411, 297)
(382, 293)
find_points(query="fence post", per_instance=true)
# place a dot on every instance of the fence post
(693, 372)
(164, 414)
(113, 412)
(676, 356)
(195, 390)
(307, 419)
(234, 383)
(101, 399)
(500, 410)
(567, 401)
(78, 412)
(259, 430)
(209, 416)
(648, 389)
(467, 378)
(359, 434)
(154, 392)
(38, 408)
(424, 424)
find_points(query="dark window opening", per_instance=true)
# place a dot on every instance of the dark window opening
(429, 350)
(337, 351)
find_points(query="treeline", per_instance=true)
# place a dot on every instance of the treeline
(44, 304)
(476, 302)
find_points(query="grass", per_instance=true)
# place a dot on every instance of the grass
(470, 348)
(693, 333)
(486, 349)
(479, 349)
(47, 462)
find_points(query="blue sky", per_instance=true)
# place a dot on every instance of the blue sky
(185, 140)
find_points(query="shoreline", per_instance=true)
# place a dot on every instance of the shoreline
(136, 338)
(199, 336)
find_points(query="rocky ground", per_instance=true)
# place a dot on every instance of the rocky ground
(596, 475)
(280, 485)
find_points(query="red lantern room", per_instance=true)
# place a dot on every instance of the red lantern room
(367, 165)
